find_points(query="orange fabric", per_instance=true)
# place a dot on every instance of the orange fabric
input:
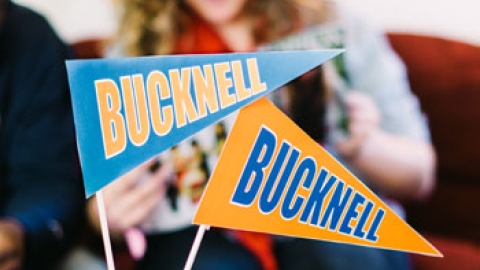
(203, 40)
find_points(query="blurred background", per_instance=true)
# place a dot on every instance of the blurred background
(84, 19)
(439, 41)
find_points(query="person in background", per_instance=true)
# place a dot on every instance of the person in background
(41, 194)
(359, 106)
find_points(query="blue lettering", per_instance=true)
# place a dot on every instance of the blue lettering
(352, 213)
(254, 168)
(372, 232)
(269, 201)
(307, 166)
(363, 219)
(315, 200)
(336, 206)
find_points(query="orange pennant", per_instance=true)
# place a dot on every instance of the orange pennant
(273, 178)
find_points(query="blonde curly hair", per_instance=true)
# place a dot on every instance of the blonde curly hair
(151, 27)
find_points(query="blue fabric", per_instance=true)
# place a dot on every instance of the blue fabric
(40, 181)
(303, 254)
(170, 251)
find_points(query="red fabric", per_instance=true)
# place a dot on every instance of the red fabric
(259, 244)
(458, 255)
(203, 40)
(445, 75)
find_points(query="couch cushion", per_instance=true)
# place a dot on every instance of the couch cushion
(445, 74)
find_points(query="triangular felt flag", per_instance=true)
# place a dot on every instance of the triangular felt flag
(272, 177)
(128, 110)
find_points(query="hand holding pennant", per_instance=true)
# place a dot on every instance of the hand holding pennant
(272, 178)
(128, 110)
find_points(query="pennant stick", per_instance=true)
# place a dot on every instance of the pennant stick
(105, 234)
(195, 246)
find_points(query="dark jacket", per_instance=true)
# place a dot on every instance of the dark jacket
(40, 183)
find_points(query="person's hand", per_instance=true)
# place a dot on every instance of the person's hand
(11, 245)
(364, 120)
(130, 199)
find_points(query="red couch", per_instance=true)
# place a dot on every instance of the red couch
(445, 75)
